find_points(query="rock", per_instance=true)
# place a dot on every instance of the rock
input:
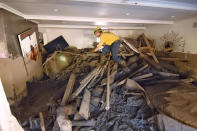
(56, 63)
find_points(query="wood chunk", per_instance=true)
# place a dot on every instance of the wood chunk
(131, 85)
(84, 123)
(151, 51)
(69, 89)
(85, 105)
(64, 123)
(42, 121)
(143, 76)
(78, 117)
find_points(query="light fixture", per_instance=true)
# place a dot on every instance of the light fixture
(172, 16)
(55, 10)
(100, 23)
(127, 14)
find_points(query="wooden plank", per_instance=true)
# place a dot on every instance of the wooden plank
(151, 51)
(172, 59)
(42, 121)
(137, 71)
(167, 74)
(108, 89)
(143, 76)
(84, 123)
(85, 105)
(69, 89)
(85, 82)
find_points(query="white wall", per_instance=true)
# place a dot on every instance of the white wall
(81, 38)
(184, 27)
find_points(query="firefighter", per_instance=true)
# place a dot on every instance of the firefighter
(109, 42)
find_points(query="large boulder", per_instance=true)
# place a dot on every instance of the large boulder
(56, 63)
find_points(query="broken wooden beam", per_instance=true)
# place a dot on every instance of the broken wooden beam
(85, 82)
(85, 105)
(69, 89)
(150, 61)
(42, 121)
(130, 46)
(151, 51)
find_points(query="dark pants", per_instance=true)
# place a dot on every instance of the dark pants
(114, 50)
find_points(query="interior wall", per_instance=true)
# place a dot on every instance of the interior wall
(14, 70)
(3, 46)
(185, 30)
(189, 34)
(81, 38)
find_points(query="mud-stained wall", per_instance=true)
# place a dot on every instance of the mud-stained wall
(14, 70)
(185, 30)
(189, 34)
(3, 46)
(190, 66)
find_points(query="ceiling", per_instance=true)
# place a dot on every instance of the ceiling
(112, 13)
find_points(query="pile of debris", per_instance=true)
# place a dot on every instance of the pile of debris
(99, 94)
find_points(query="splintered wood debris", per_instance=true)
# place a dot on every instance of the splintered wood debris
(95, 93)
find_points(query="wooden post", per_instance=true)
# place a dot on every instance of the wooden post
(108, 89)
(69, 89)
(85, 105)
(42, 121)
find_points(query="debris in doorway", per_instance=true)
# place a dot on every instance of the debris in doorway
(91, 92)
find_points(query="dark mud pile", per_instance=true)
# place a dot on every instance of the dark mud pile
(128, 112)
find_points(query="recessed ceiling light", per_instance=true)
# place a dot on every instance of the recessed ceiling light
(100, 23)
(55, 10)
(127, 14)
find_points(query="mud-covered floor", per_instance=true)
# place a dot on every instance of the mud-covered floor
(177, 100)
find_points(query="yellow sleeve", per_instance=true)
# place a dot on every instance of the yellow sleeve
(100, 44)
